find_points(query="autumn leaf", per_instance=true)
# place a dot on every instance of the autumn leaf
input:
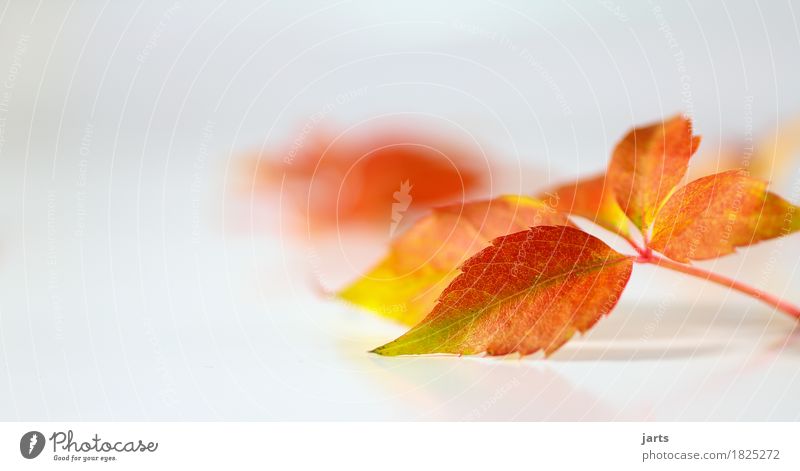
(421, 262)
(590, 198)
(331, 180)
(776, 152)
(528, 291)
(647, 165)
(713, 215)
(771, 158)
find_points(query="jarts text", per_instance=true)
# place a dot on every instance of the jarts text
(654, 438)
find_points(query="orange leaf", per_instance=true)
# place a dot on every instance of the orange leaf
(711, 216)
(647, 165)
(331, 180)
(592, 199)
(423, 260)
(528, 291)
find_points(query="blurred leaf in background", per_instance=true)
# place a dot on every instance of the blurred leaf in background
(375, 179)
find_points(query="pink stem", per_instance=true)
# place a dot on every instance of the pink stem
(774, 301)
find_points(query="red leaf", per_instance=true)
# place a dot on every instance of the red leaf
(529, 291)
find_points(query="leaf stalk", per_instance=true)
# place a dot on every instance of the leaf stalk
(647, 256)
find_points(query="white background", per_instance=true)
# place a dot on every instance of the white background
(136, 282)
